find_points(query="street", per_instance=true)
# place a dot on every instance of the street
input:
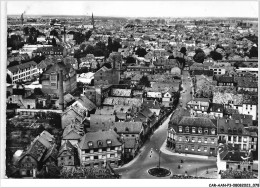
(149, 153)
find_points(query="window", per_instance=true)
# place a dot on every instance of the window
(244, 146)
(205, 140)
(245, 139)
(91, 151)
(212, 131)
(205, 149)
(193, 139)
(200, 130)
(180, 129)
(229, 138)
(239, 139)
(238, 166)
(234, 139)
(186, 147)
(187, 139)
(212, 140)
(179, 147)
(187, 129)
(180, 138)
(96, 157)
(192, 147)
(199, 139)
(199, 148)
(61, 158)
(90, 144)
(193, 130)
(108, 149)
(227, 166)
(205, 131)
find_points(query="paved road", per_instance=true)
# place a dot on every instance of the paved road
(149, 155)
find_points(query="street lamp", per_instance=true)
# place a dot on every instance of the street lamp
(159, 158)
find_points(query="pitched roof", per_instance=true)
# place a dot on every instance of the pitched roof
(121, 92)
(129, 142)
(215, 107)
(102, 136)
(87, 103)
(122, 101)
(52, 152)
(71, 135)
(197, 122)
(106, 110)
(67, 146)
(227, 126)
(22, 66)
(128, 127)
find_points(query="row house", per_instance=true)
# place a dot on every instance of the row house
(53, 50)
(193, 135)
(23, 72)
(232, 131)
(100, 147)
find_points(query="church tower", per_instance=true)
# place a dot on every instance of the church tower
(93, 21)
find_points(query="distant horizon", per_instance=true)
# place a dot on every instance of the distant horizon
(136, 9)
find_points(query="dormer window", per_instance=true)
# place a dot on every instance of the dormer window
(187, 129)
(234, 131)
(109, 142)
(180, 129)
(205, 131)
(100, 143)
(222, 129)
(229, 131)
(193, 130)
(127, 129)
(240, 131)
(200, 130)
(212, 131)
(90, 144)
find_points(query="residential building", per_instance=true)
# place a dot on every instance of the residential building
(100, 147)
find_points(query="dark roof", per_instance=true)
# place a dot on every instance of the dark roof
(129, 142)
(151, 104)
(215, 107)
(197, 122)
(178, 114)
(67, 146)
(128, 127)
(244, 119)
(225, 79)
(227, 126)
(52, 152)
(102, 136)
(204, 72)
(87, 103)
(22, 66)
(250, 99)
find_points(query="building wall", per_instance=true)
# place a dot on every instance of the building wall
(97, 156)
(24, 74)
(245, 142)
(29, 103)
(249, 110)
(66, 159)
(27, 164)
(239, 166)
(199, 145)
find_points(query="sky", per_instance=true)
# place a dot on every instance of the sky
(136, 8)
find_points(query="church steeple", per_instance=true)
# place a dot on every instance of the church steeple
(93, 21)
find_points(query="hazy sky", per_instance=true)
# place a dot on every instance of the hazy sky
(137, 8)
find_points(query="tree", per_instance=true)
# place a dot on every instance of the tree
(215, 55)
(145, 81)
(38, 91)
(141, 52)
(130, 60)
(199, 56)
(107, 65)
(8, 79)
(253, 52)
(88, 35)
(171, 57)
(183, 50)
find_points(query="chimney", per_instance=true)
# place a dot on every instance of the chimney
(61, 94)
(22, 18)
(64, 29)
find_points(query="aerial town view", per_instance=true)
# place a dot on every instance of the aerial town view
(163, 92)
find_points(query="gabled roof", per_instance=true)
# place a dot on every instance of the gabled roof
(197, 122)
(22, 66)
(128, 127)
(67, 146)
(102, 136)
(226, 125)
(52, 152)
(71, 135)
(87, 103)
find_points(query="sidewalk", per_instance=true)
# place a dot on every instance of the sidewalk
(164, 150)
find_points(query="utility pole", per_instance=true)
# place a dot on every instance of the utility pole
(159, 158)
